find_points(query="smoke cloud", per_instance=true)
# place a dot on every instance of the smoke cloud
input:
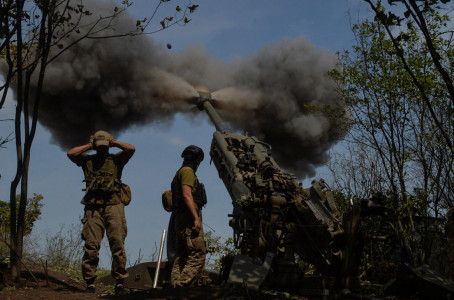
(116, 83)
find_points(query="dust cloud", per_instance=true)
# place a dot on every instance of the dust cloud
(117, 83)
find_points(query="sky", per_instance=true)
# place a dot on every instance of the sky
(228, 30)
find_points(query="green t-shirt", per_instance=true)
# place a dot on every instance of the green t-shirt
(186, 176)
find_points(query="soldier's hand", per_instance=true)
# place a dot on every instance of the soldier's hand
(91, 142)
(197, 225)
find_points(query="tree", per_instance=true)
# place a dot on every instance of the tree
(33, 33)
(34, 207)
(428, 19)
(401, 109)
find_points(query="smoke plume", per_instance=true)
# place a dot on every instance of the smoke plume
(115, 83)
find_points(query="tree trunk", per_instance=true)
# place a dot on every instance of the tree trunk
(15, 255)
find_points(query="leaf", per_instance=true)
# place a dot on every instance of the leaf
(178, 8)
(193, 8)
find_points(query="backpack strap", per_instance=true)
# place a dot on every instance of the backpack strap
(89, 171)
(177, 195)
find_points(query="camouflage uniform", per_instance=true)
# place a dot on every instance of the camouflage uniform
(104, 212)
(109, 218)
(190, 247)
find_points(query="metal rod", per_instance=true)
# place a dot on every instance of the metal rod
(156, 274)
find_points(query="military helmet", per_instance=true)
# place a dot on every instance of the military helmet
(193, 153)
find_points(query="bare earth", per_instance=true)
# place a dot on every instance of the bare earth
(56, 285)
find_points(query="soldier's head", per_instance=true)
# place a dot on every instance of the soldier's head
(192, 156)
(101, 141)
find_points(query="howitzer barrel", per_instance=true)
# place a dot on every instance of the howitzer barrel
(231, 160)
(224, 158)
(204, 102)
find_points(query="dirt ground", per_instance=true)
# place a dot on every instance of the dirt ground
(54, 285)
(58, 291)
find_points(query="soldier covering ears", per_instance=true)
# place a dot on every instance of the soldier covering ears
(104, 210)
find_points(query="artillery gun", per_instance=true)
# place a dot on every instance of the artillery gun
(272, 213)
(275, 219)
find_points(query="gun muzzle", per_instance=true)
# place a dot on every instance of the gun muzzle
(205, 102)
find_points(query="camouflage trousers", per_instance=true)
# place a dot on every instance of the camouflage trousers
(97, 220)
(190, 251)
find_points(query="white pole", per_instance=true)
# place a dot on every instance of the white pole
(156, 274)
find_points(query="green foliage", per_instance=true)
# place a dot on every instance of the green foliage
(392, 84)
(33, 213)
(431, 20)
(180, 16)
(275, 295)
(216, 248)
(304, 266)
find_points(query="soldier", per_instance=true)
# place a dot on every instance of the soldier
(104, 210)
(189, 198)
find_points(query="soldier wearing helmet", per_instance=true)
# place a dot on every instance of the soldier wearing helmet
(104, 210)
(189, 198)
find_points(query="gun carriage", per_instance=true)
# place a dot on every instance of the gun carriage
(273, 213)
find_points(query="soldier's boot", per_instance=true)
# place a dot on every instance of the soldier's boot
(202, 279)
(120, 289)
(91, 289)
